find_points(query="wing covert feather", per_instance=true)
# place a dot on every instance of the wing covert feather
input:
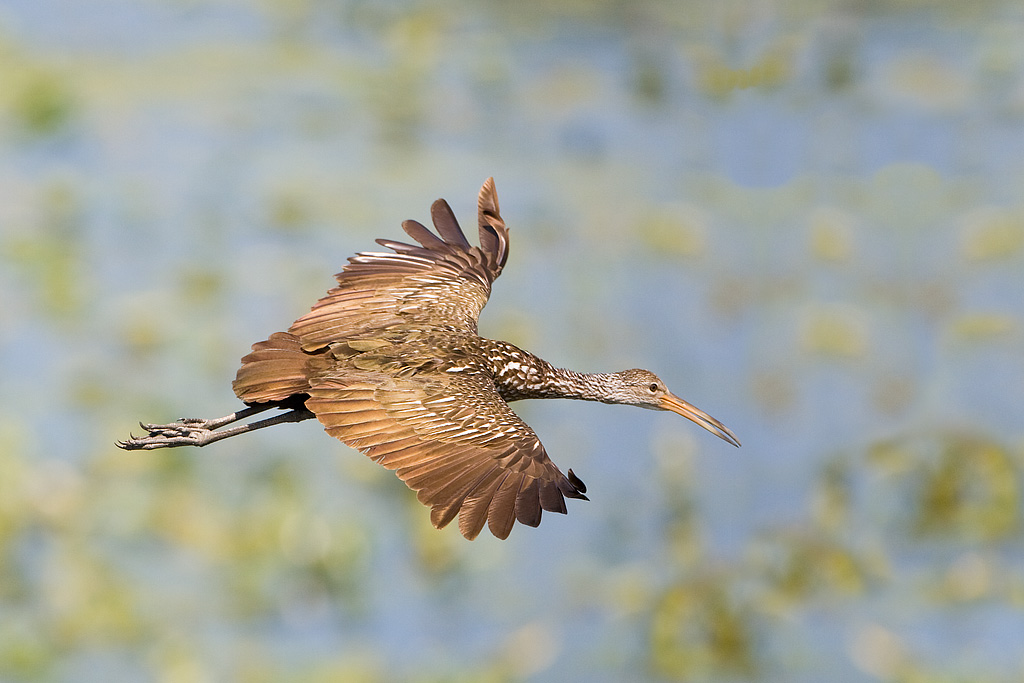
(409, 425)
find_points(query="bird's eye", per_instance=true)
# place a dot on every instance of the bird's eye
(653, 388)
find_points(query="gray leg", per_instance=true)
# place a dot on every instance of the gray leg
(199, 432)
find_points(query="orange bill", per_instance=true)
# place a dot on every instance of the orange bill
(677, 405)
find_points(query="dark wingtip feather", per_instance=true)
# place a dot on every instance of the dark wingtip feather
(551, 499)
(487, 201)
(423, 235)
(447, 225)
(493, 233)
(528, 510)
(577, 482)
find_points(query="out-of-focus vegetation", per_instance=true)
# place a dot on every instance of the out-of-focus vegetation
(806, 218)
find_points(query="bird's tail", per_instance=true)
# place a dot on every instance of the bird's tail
(275, 370)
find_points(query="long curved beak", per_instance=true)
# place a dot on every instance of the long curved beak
(677, 405)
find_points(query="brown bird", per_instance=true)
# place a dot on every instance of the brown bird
(391, 363)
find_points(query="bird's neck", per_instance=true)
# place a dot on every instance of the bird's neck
(584, 386)
(521, 375)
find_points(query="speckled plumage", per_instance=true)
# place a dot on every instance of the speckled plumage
(390, 362)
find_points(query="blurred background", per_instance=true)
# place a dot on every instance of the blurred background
(807, 217)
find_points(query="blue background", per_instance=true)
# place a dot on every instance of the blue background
(805, 217)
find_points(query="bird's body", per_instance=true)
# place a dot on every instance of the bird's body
(390, 362)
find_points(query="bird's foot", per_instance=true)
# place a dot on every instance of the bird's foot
(188, 431)
(191, 431)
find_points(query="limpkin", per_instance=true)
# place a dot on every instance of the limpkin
(390, 362)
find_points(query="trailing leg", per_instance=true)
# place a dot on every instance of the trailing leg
(200, 432)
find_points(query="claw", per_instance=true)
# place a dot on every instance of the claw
(197, 431)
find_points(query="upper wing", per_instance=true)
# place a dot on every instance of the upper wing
(453, 440)
(442, 283)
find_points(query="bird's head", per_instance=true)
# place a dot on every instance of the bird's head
(644, 389)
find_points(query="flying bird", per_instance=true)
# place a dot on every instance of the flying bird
(390, 362)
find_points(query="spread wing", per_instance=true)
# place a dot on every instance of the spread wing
(450, 437)
(444, 282)
(454, 440)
